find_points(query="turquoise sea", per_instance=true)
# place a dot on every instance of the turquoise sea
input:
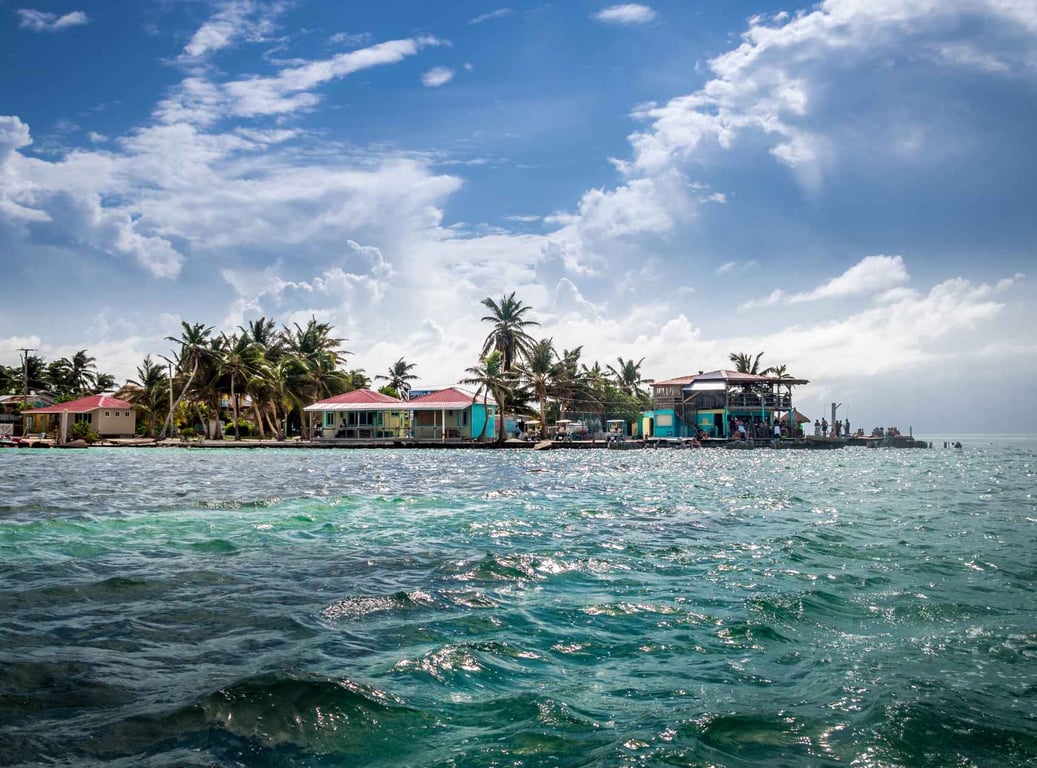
(170, 607)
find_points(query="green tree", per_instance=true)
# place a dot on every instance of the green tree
(241, 360)
(149, 392)
(194, 348)
(315, 373)
(509, 335)
(490, 379)
(400, 377)
(537, 373)
(627, 376)
(747, 363)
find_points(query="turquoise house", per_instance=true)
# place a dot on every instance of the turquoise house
(453, 414)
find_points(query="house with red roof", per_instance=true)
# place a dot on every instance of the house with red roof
(362, 414)
(109, 416)
(453, 414)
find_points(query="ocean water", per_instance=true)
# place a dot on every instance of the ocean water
(165, 607)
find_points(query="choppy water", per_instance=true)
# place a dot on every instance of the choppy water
(503, 608)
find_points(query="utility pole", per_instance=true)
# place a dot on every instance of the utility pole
(25, 371)
(170, 397)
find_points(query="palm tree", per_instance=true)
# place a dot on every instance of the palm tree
(570, 385)
(354, 379)
(490, 378)
(747, 364)
(400, 377)
(319, 356)
(509, 336)
(241, 360)
(149, 391)
(194, 348)
(628, 376)
(82, 371)
(102, 383)
(538, 373)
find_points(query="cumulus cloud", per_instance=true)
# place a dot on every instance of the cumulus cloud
(626, 14)
(437, 76)
(872, 274)
(785, 80)
(40, 21)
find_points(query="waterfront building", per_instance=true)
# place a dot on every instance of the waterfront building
(712, 402)
(11, 407)
(109, 416)
(361, 414)
(453, 414)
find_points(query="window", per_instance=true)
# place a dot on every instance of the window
(84, 418)
(107, 414)
(361, 419)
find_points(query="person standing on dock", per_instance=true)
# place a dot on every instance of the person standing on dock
(824, 427)
(817, 428)
(846, 428)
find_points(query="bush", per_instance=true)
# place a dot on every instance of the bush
(188, 432)
(244, 428)
(84, 431)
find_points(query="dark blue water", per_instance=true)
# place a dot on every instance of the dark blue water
(512, 608)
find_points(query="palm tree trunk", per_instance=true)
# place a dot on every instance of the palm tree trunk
(169, 419)
(234, 406)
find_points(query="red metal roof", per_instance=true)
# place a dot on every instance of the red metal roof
(358, 396)
(679, 380)
(84, 405)
(450, 399)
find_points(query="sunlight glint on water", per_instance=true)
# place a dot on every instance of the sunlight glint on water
(469, 608)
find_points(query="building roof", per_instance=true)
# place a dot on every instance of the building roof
(358, 400)
(449, 399)
(735, 377)
(681, 380)
(84, 405)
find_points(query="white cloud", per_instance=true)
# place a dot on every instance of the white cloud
(40, 21)
(872, 274)
(626, 14)
(234, 21)
(784, 82)
(201, 101)
(96, 138)
(437, 76)
(497, 14)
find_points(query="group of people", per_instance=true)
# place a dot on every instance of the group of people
(739, 429)
(838, 429)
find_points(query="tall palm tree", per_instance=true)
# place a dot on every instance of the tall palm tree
(747, 363)
(242, 359)
(149, 392)
(194, 347)
(400, 377)
(83, 371)
(627, 376)
(490, 379)
(570, 386)
(537, 373)
(319, 355)
(509, 335)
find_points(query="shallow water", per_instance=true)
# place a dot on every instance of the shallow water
(481, 608)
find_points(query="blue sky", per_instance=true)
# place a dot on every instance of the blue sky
(844, 186)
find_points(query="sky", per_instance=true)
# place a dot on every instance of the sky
(847, 187)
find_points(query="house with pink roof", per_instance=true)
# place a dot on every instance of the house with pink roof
(362, 414)
(109, 416)
(453, 414)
